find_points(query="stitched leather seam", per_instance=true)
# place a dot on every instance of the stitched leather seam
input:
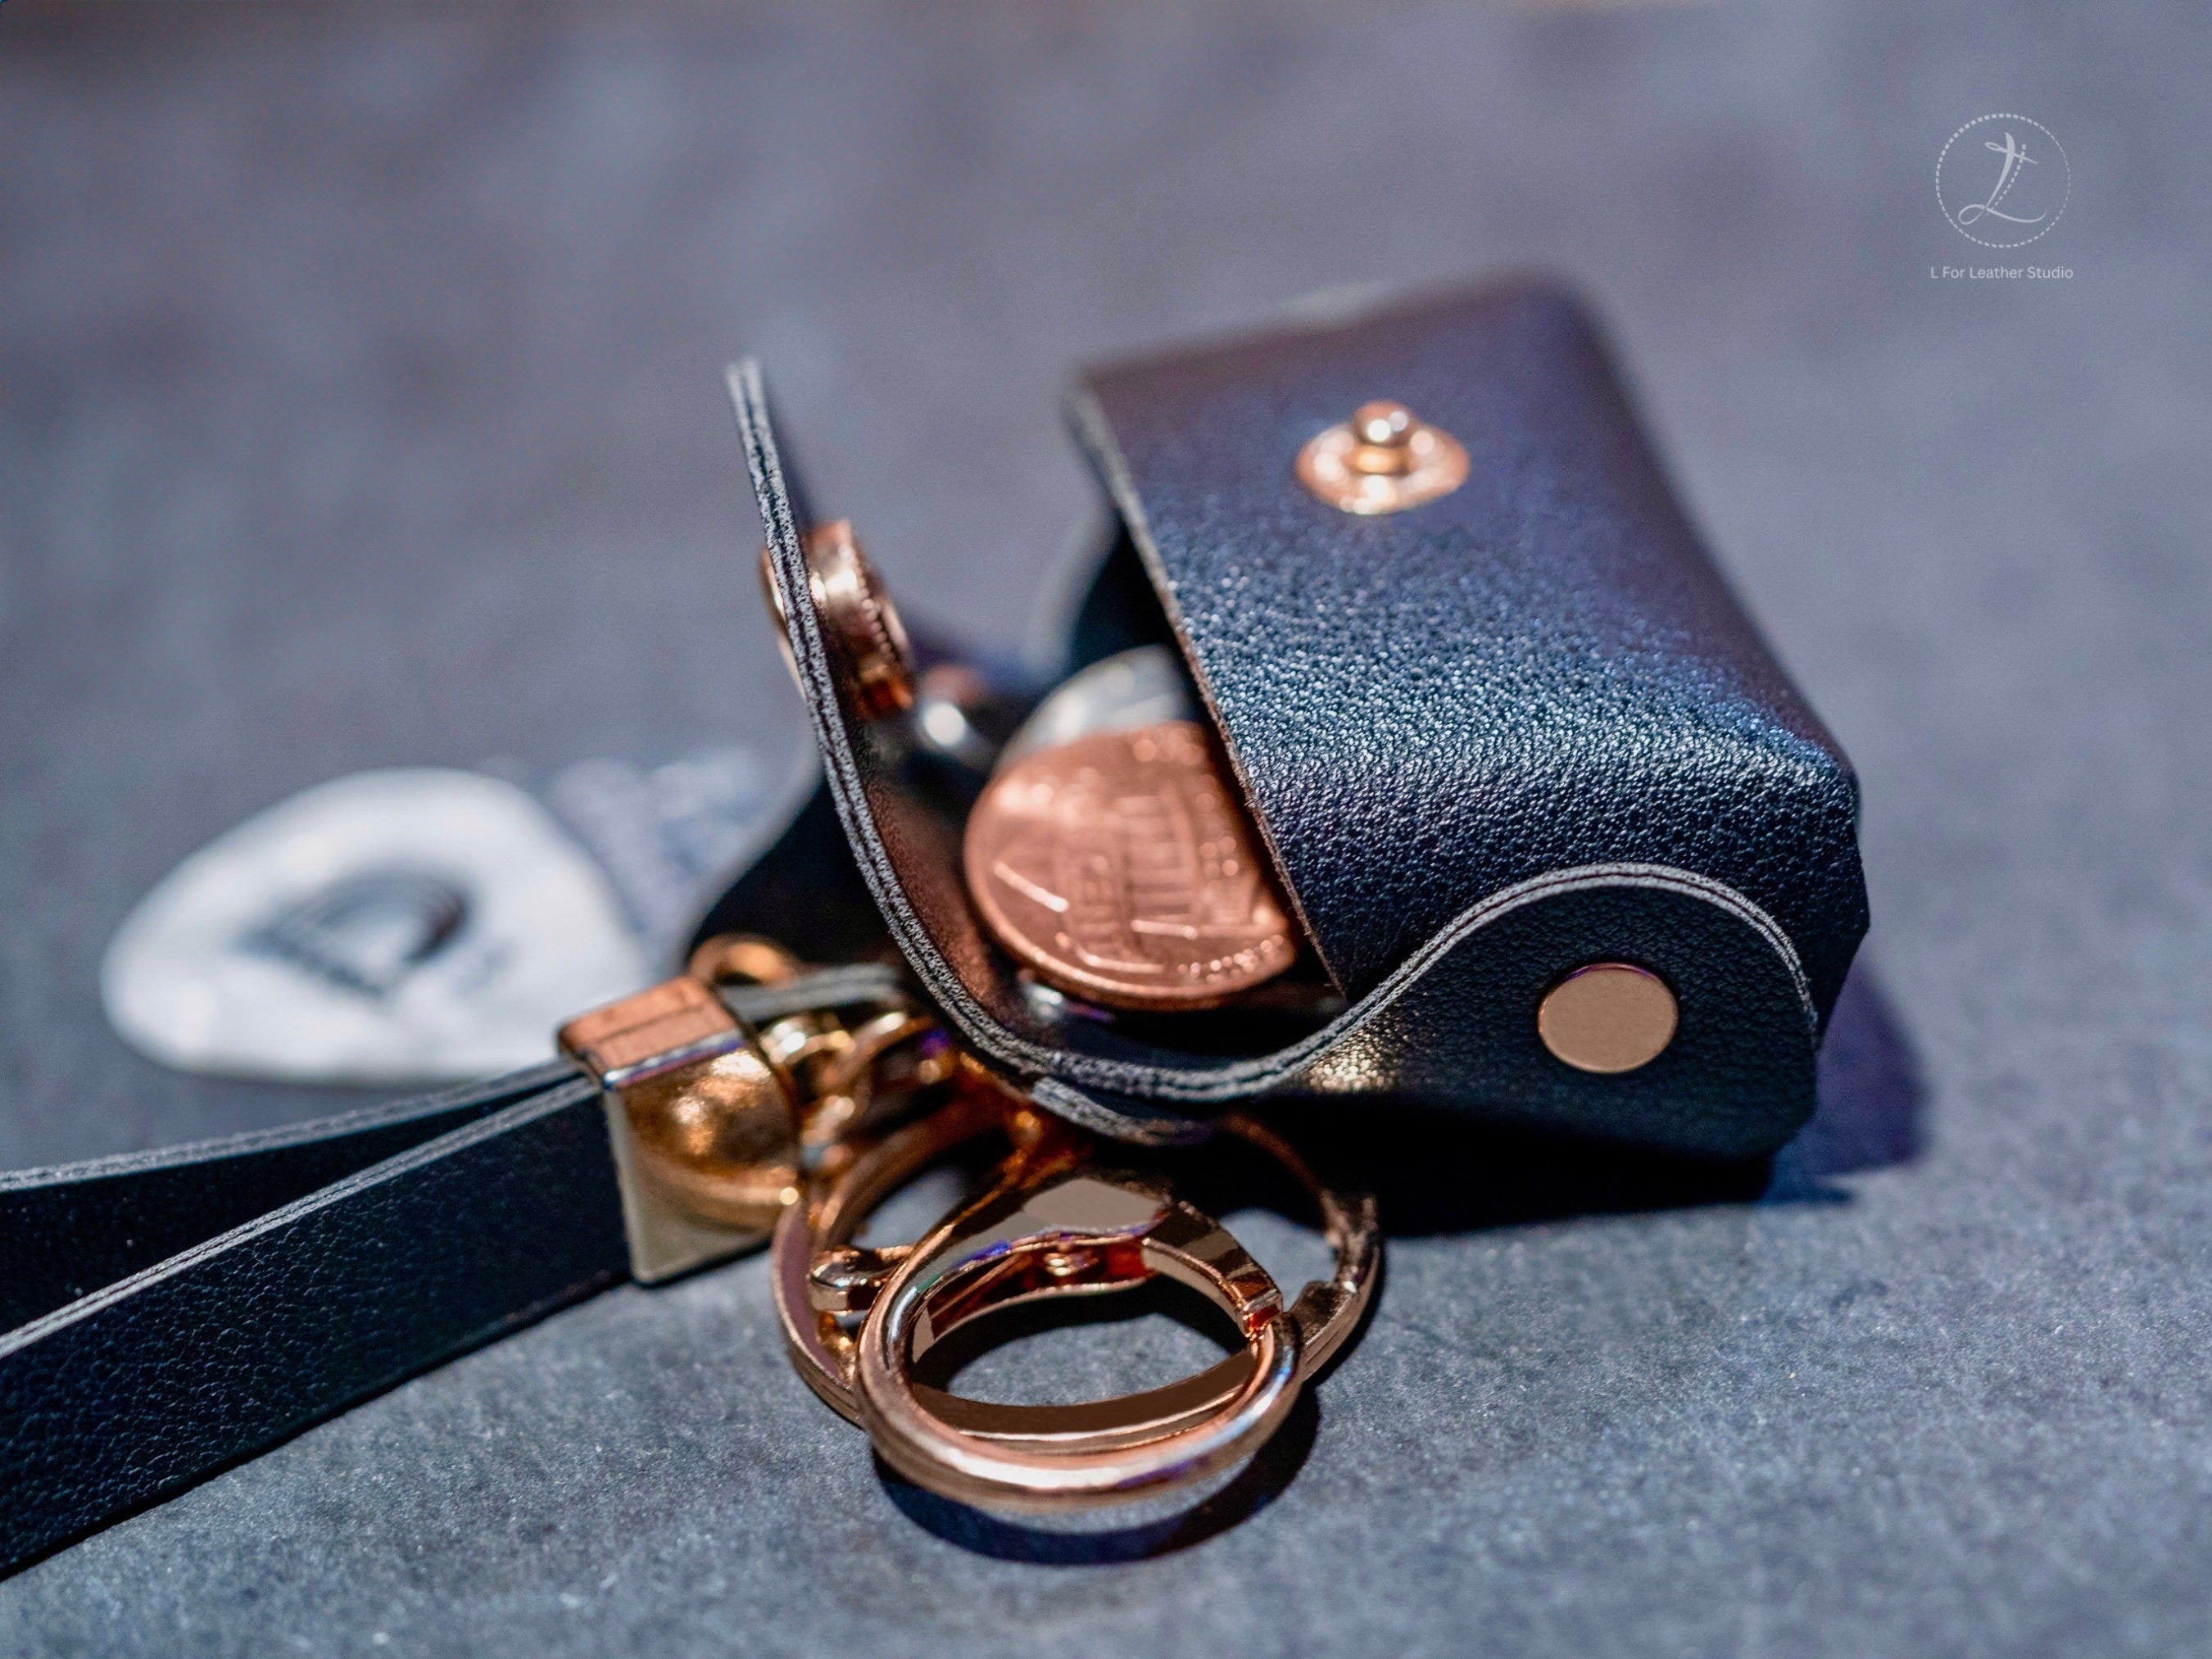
(1080, 1110)
(1245, 1078)
(557, 1098)
(1584, 877)
(513, 1085)
(848, 794)
(1249, 1076)
(749, 398)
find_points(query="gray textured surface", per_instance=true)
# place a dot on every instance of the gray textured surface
(358, 403)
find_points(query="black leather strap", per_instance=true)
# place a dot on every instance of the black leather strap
(172, 1312)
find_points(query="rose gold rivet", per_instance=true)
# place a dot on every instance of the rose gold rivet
(1383, 459)
(866, 638)
(1608, 1018)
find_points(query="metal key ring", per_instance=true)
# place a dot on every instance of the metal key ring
(1010, 1248)
(817, 1278)
(814, 1270)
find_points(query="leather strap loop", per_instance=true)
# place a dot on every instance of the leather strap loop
(186, 1308)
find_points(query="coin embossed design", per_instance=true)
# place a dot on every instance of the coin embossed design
(1120, 869)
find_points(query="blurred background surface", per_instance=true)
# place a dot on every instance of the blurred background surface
(360, 405)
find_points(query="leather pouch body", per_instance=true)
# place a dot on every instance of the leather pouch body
(1485, 741)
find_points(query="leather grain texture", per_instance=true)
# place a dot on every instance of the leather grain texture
(504, 1208)
(1539, 669)
(68, 1231)
(1534, 693)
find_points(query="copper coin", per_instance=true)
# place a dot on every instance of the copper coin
(1118, 868)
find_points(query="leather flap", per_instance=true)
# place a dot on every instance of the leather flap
(1539, 670)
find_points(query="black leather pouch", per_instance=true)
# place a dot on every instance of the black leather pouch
(1487, 741)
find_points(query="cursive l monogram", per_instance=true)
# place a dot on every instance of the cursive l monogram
(2016, 157)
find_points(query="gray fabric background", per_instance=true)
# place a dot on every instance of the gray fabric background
(359, 404)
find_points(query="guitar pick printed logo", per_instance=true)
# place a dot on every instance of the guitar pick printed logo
(2002, 180)
(416, 925)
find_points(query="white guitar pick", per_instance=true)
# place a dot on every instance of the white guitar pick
(398, 926)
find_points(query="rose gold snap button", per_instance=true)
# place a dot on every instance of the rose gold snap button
(1608, 1018)
(1383, 459)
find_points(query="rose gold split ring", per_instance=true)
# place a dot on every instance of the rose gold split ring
(1049, 1226)
(1016, 1246)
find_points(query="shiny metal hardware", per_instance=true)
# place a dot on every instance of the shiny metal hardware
(746, 956)
(725, 1126)
(1050, 1223)
(1147, 685)
(1383, 459)
(860, 623)
(952, 716)
(1608, 1018)
(1079, 1231)
(714, 1118)
(704, 1125)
